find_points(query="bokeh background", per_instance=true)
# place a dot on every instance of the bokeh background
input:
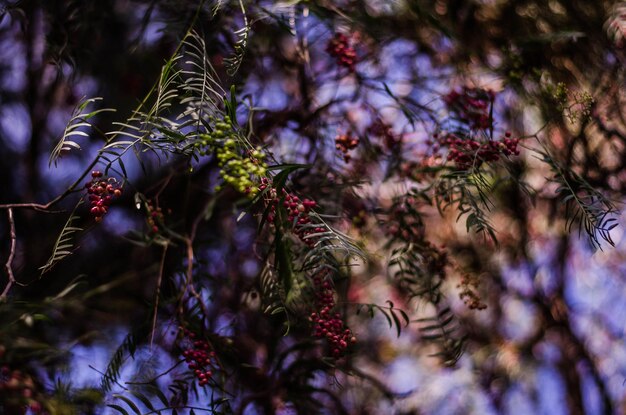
(551, 338)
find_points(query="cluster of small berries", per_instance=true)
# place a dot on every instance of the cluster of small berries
(471, 105)
(339, 48)
(101, 192)
(155, 217)
(200, 358)
(345, 143)
(405, 222)
(359, 219)
(17, 392)
(222, 129)
(328, 324)
(297, 211)
(236, 168)
(380, 129)
(468, 153)
(469, 285)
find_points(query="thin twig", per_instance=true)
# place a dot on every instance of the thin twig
(189, 273)
(45, 207)
(189, 283)
(158, 293)
(153, 380)
(35, 206)
(9, 262)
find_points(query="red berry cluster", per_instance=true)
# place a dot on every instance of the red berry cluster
(345, 143)
(380, 129)
(199, 358)
(155, 217)
(101, 191)
(468, 152)
(329, 325)
(405, 222)
(471, 105)
(17, 392)
(297, 211)
(339, 47)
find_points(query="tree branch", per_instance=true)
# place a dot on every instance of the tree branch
(8, 265)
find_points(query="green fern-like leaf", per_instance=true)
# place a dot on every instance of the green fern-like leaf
(145, 127)
(76, 127)
(187, 81)
(217, 7)
(272, 293)
(469, 190)
(234, 62)
(112, 373)
(64, 245)
(410, 267)
(444, 331)
(200, 87)
(332, 247)
(389, 312)
(586, 207)
(129, 402)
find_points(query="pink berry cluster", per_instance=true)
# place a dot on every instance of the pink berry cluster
(101, 191)
(339, 47)
(469, 285)
(17, 392)
(199, 357)
(346, 142)
(468, 152)
(328, 324)
(471, 106)
(297, 211)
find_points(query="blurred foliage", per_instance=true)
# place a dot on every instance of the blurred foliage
(240, 206)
